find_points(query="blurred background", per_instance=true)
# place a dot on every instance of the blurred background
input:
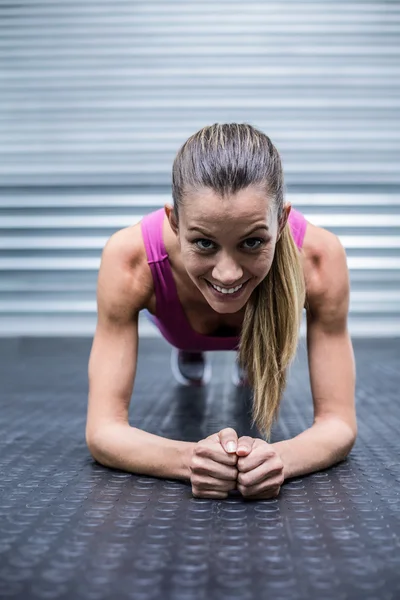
(96, 97)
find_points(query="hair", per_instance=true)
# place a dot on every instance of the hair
(227, 158)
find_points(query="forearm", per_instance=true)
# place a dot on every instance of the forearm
(121, 446)
(324, 444)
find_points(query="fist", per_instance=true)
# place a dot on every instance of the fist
(260, 469)
(213, 470)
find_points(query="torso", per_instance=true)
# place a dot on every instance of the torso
(202, 318)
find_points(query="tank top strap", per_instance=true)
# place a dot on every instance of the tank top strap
(157, 258)
(152, 225)
(298, 224)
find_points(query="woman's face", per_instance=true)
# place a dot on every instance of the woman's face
(228, 243)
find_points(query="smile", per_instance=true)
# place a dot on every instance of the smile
(229, 292)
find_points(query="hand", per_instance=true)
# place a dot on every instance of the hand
(260, 469)
(213, 471)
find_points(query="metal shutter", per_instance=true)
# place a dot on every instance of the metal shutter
(97, 96)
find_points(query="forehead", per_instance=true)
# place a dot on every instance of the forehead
(208, 208)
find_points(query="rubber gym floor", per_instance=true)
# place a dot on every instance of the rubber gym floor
(71, 528)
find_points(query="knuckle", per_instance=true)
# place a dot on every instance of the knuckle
(276, 469)
(200, 450)
(196, 460)
(242, 478)
(196, 451)
(194, 479)
(207, 453)
(199, 468)
(243, 490)
(270, 454)
(197, 481)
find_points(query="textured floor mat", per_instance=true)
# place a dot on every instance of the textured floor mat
(70, 528)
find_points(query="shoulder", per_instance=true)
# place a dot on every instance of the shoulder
(326, 276)
(124, 270)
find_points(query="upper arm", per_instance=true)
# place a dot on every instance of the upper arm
(330, 351)
(328, 285)
(122, 290)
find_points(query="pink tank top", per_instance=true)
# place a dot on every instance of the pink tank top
(170, 317)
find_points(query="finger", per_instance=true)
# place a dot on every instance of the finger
(245, 445)
(228, 439)
(210, 494)
(214, 452)
(211, 483)
(222, 472)
(214, 437)
(265, 492)
(261, 473)
(260, 495)
(256, 458)
(213, 468)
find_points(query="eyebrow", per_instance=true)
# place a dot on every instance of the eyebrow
(246, 234)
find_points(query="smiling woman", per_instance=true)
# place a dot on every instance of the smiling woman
(225, 268)
(245, 270)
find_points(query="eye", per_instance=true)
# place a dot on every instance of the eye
(258, 241)
(206, 244)
(202, 240)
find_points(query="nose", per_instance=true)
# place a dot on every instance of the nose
(227, 272)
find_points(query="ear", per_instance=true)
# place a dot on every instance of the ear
(169, 211)
(284, 219)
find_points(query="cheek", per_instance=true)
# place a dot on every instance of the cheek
(192, 261)
(260, 265)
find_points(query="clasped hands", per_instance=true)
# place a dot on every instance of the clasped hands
(251, 465)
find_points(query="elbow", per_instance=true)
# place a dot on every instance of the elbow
(102, 442)
(350, 438)
(354, 431)
(89, 437)
(94, 445)
(91, 445)
(343, 435)
(349, 446)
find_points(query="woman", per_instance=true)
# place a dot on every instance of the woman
(228, 266)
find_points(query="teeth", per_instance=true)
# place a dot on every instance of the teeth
(227, 290)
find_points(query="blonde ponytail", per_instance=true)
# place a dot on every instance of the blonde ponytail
(271, 329)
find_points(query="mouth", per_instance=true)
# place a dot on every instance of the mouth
(227, 294)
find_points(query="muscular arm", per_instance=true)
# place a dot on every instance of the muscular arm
(124, 285)
(331, 367)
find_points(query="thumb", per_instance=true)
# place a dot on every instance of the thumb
(245, 445)
(228, 439)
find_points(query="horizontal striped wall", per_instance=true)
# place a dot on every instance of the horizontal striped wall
(50, 251)
(96, 98)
